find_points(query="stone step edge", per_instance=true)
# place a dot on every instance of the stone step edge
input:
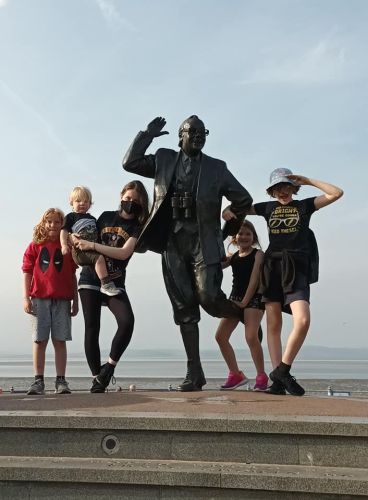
(332, 426)
(223, 475)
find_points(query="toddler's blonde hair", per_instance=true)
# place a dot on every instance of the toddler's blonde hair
(80, 193)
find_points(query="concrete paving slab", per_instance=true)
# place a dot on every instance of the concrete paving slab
(331, 480)
(191, 404)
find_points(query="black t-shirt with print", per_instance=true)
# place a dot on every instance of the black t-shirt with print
(82, 224)
(114, 231)
(287, 224)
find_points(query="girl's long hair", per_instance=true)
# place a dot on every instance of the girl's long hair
(40, 234)
(143, 196)
(247, 225)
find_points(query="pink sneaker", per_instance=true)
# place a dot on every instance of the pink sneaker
(234, 380)
(261, 382)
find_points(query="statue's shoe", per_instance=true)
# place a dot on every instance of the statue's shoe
(192, 382)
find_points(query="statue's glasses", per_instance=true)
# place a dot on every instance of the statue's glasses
(196, 131)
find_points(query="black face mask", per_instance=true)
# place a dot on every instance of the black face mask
(131, 207)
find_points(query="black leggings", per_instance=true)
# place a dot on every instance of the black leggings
(120, 307)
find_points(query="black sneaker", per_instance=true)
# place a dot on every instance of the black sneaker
(288, 381)
(106, 374)
(276, 388)
(97, 387)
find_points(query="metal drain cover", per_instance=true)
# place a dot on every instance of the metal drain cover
(110, 444)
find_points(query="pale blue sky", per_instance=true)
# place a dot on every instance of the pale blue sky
(277, 83)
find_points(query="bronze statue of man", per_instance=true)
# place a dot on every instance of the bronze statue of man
(185, 227)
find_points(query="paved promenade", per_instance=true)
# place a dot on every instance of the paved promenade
(218, 403)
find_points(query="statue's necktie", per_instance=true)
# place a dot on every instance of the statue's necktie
(188, 166)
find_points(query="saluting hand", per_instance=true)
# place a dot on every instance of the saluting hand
(300, 180)
(154, 128)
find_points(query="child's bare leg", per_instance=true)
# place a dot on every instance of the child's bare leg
(100, 267)
(223, 334)
(281, 374)
(301, 321)
(39, 353)
(60, 357)
(274, 326)
(252, 320)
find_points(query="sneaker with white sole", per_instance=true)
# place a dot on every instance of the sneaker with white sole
(62, 387)
(110, 289)
(37, 388)
(234, 380)
(261, 382)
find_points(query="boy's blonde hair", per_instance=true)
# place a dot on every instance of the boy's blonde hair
(40, 234)
(80, 193)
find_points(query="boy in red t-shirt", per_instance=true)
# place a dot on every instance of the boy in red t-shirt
(50, 296)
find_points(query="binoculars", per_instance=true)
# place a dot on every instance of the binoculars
(181, 205)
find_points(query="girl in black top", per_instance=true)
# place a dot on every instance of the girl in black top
(289, 267)
(118, 233)
(245, 264)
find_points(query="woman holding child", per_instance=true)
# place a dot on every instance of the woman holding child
(118, 233)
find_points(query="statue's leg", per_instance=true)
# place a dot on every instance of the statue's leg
(194, 379)
(179, 285)
(208, 280)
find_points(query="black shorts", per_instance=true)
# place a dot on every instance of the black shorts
(254, 303)
(275, 292)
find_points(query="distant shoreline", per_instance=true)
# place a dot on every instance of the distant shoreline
(164, 368)
(309, 353)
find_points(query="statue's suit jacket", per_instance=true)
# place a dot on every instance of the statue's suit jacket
(214, 182)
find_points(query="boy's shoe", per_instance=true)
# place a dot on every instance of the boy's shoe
(106, 374)
(234, 380)
(37, 388)
(288, 381)
(97, 387)
(261, 382)
(110, 289)
(277, 389)
(62, 387)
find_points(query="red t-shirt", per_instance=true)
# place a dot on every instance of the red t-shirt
(52, 272)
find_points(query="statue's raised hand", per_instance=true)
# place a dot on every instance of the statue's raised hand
(154, 128)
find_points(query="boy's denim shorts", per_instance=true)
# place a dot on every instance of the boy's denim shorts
(51, 316)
